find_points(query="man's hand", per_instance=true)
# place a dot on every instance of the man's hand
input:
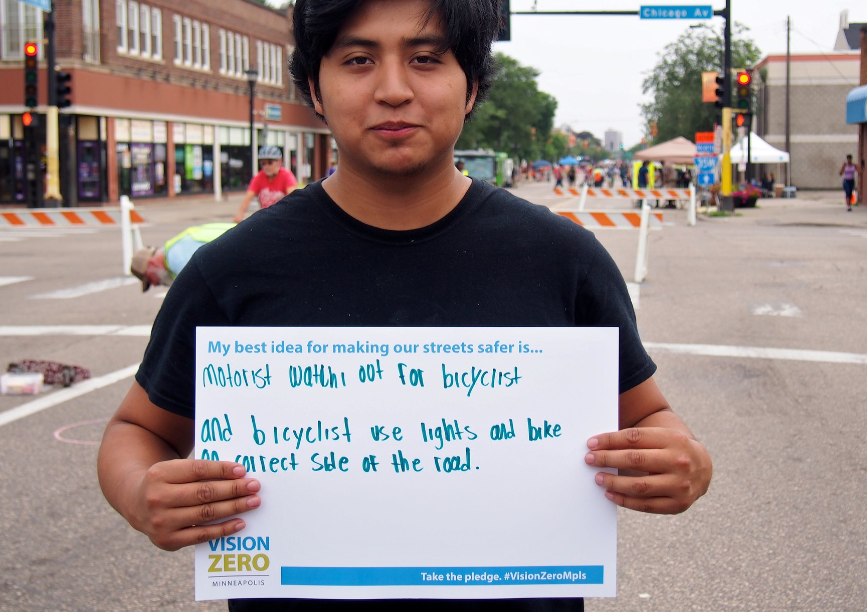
(674, 469)
(174, 499)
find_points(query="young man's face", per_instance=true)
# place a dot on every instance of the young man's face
(394, 102)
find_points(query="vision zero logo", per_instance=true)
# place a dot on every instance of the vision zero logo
(235, 554)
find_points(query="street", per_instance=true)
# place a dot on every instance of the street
(756, 321)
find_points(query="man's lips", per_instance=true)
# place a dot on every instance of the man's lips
(394, 127)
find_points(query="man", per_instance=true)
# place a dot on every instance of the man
(272, 183)
(397, 237)
(160, 266)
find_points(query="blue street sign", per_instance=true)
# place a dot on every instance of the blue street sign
(705, 179)
(676, 12)
(45, 5)
(705, 147)
(706, 164)
(273, 112)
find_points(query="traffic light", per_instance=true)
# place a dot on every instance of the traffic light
(505, 32)
(743, 120)
(28, 119)
(720, 91)
(31, 74)
(62, 78)
(744, 101)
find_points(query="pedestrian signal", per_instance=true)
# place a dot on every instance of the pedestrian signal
(31, 74)
(505, 32)
(27, 119)
(744, 79)
(743, 120)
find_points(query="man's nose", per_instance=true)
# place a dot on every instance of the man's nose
(393, 86)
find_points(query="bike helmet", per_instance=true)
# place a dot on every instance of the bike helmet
(269, 152)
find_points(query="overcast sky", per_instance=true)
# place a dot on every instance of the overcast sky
(594, 66)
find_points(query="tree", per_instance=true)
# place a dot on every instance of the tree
(675, 81)
(516, 118)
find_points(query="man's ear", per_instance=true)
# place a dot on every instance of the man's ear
(472, 101)
(314, 94)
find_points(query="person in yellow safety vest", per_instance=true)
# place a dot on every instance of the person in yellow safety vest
(160, 266)
(651, 174)
(460, 166)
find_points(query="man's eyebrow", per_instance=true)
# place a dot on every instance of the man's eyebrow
(438, 42)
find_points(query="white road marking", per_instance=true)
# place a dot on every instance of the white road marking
(75, 330)
(87, 289)
(64, 395)
(11, 280)
(861, 233)
(778, 309)
(14, 235)
(634, 291)
(756, 352)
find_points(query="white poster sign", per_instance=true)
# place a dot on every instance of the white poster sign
(410, 462)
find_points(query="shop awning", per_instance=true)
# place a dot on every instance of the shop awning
(856, 105)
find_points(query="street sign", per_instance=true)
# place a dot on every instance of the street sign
(705, 179)
(273, 112)
(676, 12)
(705, 147)
(44, 5)
(706, 164)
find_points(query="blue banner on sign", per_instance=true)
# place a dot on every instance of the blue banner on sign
(705, 179)
(441, 576)
(706, 164)
(45, 5)
(705, 147)
(676, 12)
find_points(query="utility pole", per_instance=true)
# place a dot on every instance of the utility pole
(52, 183)
(788, 99)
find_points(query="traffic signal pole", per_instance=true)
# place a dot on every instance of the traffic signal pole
(52, 175)
(726, 174)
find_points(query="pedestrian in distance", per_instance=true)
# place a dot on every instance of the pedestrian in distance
(271, 184)
(558, 177)
(395, 80)
(847, 171)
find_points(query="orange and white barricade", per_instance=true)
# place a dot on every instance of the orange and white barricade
(643, 221)
(125, 216)
(635, 194)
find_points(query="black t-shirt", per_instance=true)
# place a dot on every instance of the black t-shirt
(495, 260)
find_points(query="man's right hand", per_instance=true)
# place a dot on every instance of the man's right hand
(175, 500)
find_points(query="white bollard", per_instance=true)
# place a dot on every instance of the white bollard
(130, 234)
(583, 197)
(641, 257)
(691, 213)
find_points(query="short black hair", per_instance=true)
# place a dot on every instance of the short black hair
(470, 28)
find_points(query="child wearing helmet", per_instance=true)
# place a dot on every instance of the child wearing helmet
(272, 183)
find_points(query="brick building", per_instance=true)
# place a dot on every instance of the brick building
(160, 97)
(819, 137)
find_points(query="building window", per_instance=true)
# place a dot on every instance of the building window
(132, 22)
(265, 65)
(157, 33)
(222, 51)
(239, 56)
(90, 29)
(120, 9)
(188, 42)
(259, 57)
(179, 57)
(145, 27)
(279, 64)
(230, 53)
(246, 42)
(206, 47)
(197, 44)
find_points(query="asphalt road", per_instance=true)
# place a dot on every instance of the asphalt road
(757, 323)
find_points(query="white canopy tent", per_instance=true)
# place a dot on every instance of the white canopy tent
(760, 152)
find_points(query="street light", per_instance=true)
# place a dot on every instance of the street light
(252, 74)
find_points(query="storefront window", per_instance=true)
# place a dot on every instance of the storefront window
(235, 159)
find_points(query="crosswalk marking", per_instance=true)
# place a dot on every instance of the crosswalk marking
(87, 289)
(11, 280)
(778, 309)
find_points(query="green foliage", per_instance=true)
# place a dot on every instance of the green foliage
(516, 118)
(675, 82)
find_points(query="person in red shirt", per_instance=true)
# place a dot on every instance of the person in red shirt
(271, 185)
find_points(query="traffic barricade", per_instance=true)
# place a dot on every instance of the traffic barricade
(124, 216)
(643, 221)
(679, 194)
